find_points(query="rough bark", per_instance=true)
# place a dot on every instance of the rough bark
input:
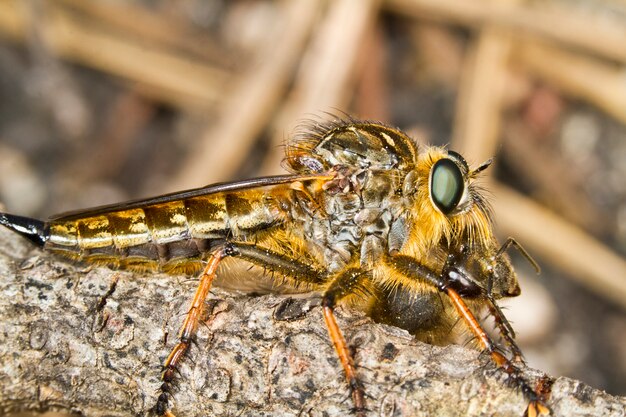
(254, 356)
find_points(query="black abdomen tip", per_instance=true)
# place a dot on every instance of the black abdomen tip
(32, 229)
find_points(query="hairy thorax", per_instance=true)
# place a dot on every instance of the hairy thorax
(356, 218)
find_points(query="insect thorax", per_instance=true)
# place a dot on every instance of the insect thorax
(355, 218)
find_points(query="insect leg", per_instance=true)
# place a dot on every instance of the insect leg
(412, 268)
(535, 406)
(296, 270)
(188, 329)
(347, 283)
(506, 331)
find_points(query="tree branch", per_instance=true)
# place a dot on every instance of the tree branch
(254, 355)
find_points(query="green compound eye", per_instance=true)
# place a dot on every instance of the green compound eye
(446, 185)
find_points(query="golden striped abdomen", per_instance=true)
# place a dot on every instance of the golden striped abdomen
(170, 236)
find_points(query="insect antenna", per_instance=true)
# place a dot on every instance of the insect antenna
(512, 242)
(481, 168)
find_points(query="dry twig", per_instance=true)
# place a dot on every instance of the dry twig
(58, 352)
(250, 104)
(560, 23)
(157, 72)
(579, 76)
(326, 75)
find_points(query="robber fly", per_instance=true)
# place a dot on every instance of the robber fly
(365, 218)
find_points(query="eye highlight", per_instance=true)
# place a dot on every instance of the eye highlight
(446, 185)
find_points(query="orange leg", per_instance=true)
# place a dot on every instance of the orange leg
(345, 358)
(188, 329)
(536, 406)
(350, 281)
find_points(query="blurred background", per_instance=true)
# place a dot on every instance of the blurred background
(102, 101)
